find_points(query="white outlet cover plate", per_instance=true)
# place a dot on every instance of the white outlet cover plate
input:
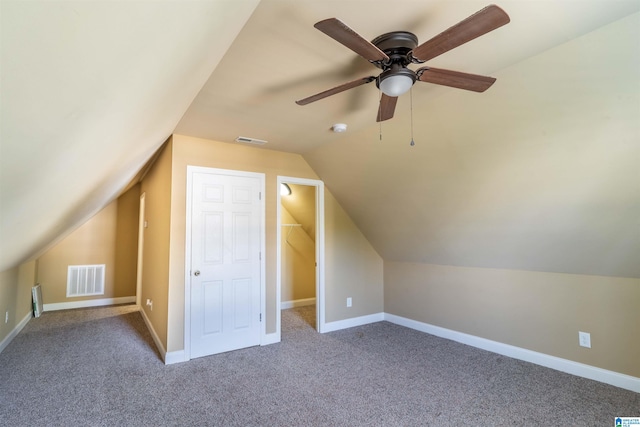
(585, 339)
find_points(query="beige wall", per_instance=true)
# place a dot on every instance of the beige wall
(15, 295)
(298, 272)
(126, 257)
(156, 186)
(92, 243)
(354, 268)
(542, 312)
(9, 300)
(110, 238)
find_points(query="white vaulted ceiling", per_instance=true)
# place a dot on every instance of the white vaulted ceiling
(89, 91)
(538, 173)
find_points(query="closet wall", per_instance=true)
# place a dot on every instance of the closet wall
(298, 247)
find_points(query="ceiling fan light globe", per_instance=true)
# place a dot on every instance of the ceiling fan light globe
(396, 85)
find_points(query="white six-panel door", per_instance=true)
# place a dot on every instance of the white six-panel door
(225, 265)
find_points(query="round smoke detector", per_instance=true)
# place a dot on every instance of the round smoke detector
(339, 127)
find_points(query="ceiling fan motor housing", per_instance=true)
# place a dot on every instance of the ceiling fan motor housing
(396, 45)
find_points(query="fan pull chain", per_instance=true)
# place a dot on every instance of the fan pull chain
(411, 99)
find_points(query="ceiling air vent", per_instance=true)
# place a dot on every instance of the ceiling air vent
(250, 140)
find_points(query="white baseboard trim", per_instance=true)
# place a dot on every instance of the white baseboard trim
(350, 323)
(272, 338)
(579, 369)
(154, 335)
(172, 357)
(5, 342)
(297, 303)
(87, 303)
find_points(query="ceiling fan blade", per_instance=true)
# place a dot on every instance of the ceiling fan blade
(455, 79)
(337, 89)
(340, 32)
(481, 22)
(387, 107)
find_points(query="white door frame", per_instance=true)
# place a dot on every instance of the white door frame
(141, 227)
(320, 308)
(187, 249)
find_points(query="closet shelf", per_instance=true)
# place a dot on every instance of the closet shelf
(290, 230)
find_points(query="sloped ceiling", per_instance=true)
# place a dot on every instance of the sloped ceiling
(538, 173)
(541, 173)
(89, 91)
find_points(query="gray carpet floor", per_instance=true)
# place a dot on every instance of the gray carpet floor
(99, 367)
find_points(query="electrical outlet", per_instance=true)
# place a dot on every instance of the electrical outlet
(585, 339)
(150, 304)
(349, 302)
(6, 317)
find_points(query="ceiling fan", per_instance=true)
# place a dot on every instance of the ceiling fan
(392, 52)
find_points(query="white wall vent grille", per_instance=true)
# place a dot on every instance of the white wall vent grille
(248, 140)
(85, 280)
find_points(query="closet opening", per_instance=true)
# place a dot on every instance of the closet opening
(300, 285)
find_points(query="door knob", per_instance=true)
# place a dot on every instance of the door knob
(196, 273)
